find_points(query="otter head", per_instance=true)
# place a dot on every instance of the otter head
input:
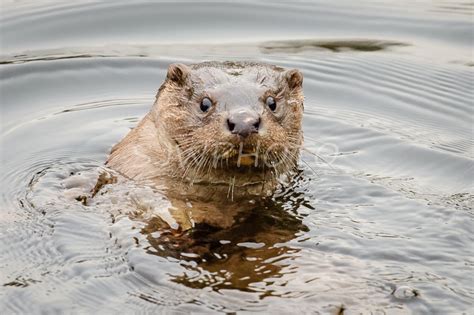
(240, 120)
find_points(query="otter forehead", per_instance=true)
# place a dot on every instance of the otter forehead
(236, 84)
(233, 94)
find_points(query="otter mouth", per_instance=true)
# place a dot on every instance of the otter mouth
(246, 155)
(247, 161)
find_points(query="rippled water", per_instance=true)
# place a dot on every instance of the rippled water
(382, 226)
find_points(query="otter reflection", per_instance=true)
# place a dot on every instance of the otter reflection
(242, 245)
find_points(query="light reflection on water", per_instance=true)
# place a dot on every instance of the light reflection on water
(382, 224)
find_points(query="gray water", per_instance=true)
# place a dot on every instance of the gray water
(380, 223)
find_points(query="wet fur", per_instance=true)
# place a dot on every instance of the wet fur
(176, 145)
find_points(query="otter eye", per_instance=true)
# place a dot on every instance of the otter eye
(205, 104)
(271, 103)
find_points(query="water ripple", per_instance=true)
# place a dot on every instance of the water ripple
(378, 220)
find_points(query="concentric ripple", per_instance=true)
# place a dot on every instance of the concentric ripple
(378, 220)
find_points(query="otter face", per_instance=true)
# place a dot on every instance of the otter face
(232, 116)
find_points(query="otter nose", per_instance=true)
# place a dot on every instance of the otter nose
(243, 123)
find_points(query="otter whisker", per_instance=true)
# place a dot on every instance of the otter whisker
(202, 162)
(195, 162)
(231, 188)
(198, 133)
(202, 165)
(318, 156)
(192, 160)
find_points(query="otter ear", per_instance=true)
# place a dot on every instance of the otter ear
(178, 73)
(294, 78)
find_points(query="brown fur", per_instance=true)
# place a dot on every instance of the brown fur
(178, 147)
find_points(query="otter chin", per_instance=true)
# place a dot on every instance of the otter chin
(217, 127)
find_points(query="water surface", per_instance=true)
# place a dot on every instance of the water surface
(381, 224)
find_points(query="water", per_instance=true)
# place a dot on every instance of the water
(383, 226)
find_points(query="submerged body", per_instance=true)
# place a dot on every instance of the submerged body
(217, 130)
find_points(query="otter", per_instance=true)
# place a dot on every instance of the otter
(217, 130)
(199, 168)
